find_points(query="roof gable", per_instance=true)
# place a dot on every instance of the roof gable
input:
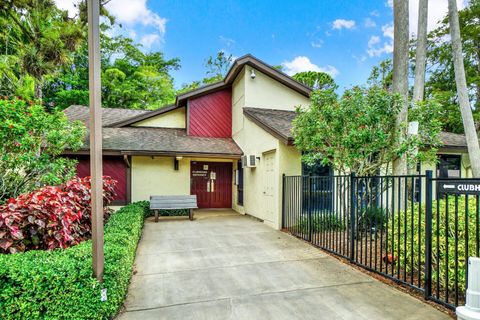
(235, 69)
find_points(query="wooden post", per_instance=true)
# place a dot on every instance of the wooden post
(94, 85)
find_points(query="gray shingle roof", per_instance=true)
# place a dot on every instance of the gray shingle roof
(454, 140)
(277, 122)
(109, 115)
(138, 140)
(164, 140)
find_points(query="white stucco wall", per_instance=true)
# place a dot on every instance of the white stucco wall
(170, 119)
(465, 169)
(263, 92)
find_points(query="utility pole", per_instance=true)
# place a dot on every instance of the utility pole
(94, 85)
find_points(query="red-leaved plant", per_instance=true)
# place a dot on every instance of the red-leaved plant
(51, 217)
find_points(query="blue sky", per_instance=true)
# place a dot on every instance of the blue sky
(343, 38)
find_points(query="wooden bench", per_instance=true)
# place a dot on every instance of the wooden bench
(173, 203)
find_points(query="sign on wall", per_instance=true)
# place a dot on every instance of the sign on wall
(459, 187)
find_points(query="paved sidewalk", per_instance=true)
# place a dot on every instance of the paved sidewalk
(228, 266)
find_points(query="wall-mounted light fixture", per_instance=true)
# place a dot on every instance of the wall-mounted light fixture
(252, 74)
(176, 162)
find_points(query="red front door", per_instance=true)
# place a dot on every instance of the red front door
(212, 183)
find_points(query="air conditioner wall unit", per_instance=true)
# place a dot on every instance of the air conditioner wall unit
(249, 161)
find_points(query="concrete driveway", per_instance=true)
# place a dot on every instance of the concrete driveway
(227, 266)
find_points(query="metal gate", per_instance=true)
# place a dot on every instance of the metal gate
(416, 230)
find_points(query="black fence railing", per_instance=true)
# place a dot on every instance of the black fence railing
(413, 229)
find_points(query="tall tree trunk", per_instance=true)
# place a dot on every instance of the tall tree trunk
(400, 73)
(462, 91)
(421, 53)
(38, 89)
(420, 60)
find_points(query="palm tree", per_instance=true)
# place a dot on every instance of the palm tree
(462, 91)
(46, 37)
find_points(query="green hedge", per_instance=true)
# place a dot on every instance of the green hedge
(58, 284)
(173, 212)
(440, 239)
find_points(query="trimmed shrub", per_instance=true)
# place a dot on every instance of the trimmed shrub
(324, 222)
(51, 217)
(174, 212)
(442, 233)
(58, 284)
(372, 217)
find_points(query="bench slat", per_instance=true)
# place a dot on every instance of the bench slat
(180, 203)
(173, 202)
(173, 197)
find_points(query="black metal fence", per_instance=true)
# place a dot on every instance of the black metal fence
(410, 229)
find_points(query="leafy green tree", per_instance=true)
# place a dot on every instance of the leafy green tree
(32, 142)
(441, 75)
(316, 80)
(130, 78)
(357, 132)
(217, 68)
(381, 75)
(40, 36)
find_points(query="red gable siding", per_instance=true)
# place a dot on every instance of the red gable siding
(211, 115)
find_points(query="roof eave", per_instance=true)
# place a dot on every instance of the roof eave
(157, 153)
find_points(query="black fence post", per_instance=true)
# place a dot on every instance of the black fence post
(428, 234)
(352, 215)
(309, 208)
(283, 200)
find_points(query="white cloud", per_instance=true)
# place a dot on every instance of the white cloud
(132, 12)
(360, 59)
(373, 41)
(377, 46)
(369, 23)
(129, 13)
(437, 10)
(227, 41)
(68, 5)
(149, 39)
(317, 43)
(342, 23)
(302, 63)
(375, 13)
(388, 31)
(376, 50)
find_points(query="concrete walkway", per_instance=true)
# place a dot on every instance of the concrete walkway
(227, 266)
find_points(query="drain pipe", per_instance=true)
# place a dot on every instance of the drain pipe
(471, 310)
